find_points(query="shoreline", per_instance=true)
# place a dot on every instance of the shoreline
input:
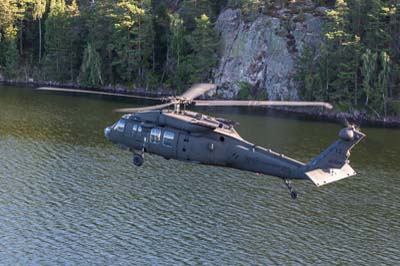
(359, 119)
(307, 114)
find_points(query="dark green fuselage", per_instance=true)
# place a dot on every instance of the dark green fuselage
(196, 138)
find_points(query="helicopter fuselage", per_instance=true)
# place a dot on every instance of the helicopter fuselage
(196, 138)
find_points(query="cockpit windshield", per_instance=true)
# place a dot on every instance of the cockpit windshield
(120, 125)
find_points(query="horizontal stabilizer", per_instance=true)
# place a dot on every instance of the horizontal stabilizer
(322, 177)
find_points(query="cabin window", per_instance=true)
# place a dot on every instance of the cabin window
(134, 129)
(155, 136)
(139, 130)
(168, 138)
(120, 126)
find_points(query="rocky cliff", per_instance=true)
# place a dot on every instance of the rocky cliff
(262, 54)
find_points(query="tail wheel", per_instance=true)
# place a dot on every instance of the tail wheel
(138, 159)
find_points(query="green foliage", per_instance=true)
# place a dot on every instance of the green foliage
(132, 40)
(245, 90)
(61, 42)
(307, 74)
(99, 25)
(394, 108)
(161, 21)
(11, 14)
(375, 80)
(176, 63)
(90, 75)
(368, 71)
(142, 43)
(192, 9)
(358, 63)
(39, 8)
(249, 92)
(250, 8)
(11, 58)
(204, 46)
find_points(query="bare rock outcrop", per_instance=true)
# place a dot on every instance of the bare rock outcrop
(263, 53)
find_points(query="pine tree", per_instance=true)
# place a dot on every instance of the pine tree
(10, 49)
(10, 17)
(38, 11)
(204, 44)
(192, 9)
(145, 43)
(90, 75)
(307, 74)
(61, 39)
(134, 35)
(383, 80)
(368, 71)
(161, 24)
(176, 51)
(100, 32)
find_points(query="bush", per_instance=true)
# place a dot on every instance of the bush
(245, 91)
(394, 108)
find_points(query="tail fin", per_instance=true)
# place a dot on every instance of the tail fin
(333, 164)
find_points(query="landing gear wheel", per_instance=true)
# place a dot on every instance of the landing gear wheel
(293, 194)
(138, 159)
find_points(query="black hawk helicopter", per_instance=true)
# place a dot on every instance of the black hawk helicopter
(197, 138)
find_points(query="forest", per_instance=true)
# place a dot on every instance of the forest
(358, 63)
(93, 43)
(154, 43)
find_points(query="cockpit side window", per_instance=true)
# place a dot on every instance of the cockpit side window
(168, 138)
(155, 136)
(120, 126)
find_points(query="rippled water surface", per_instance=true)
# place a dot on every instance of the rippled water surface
(68, 197)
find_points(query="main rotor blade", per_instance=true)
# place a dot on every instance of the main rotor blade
(98, 93)
(262, 103)
(196, 90)
(143, 109)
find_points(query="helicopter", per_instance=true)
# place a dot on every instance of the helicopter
(192, 137)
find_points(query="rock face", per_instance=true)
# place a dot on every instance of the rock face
(263, 53)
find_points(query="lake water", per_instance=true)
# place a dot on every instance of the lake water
(69, 197)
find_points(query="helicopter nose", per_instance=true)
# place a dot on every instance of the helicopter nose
(107, 132)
